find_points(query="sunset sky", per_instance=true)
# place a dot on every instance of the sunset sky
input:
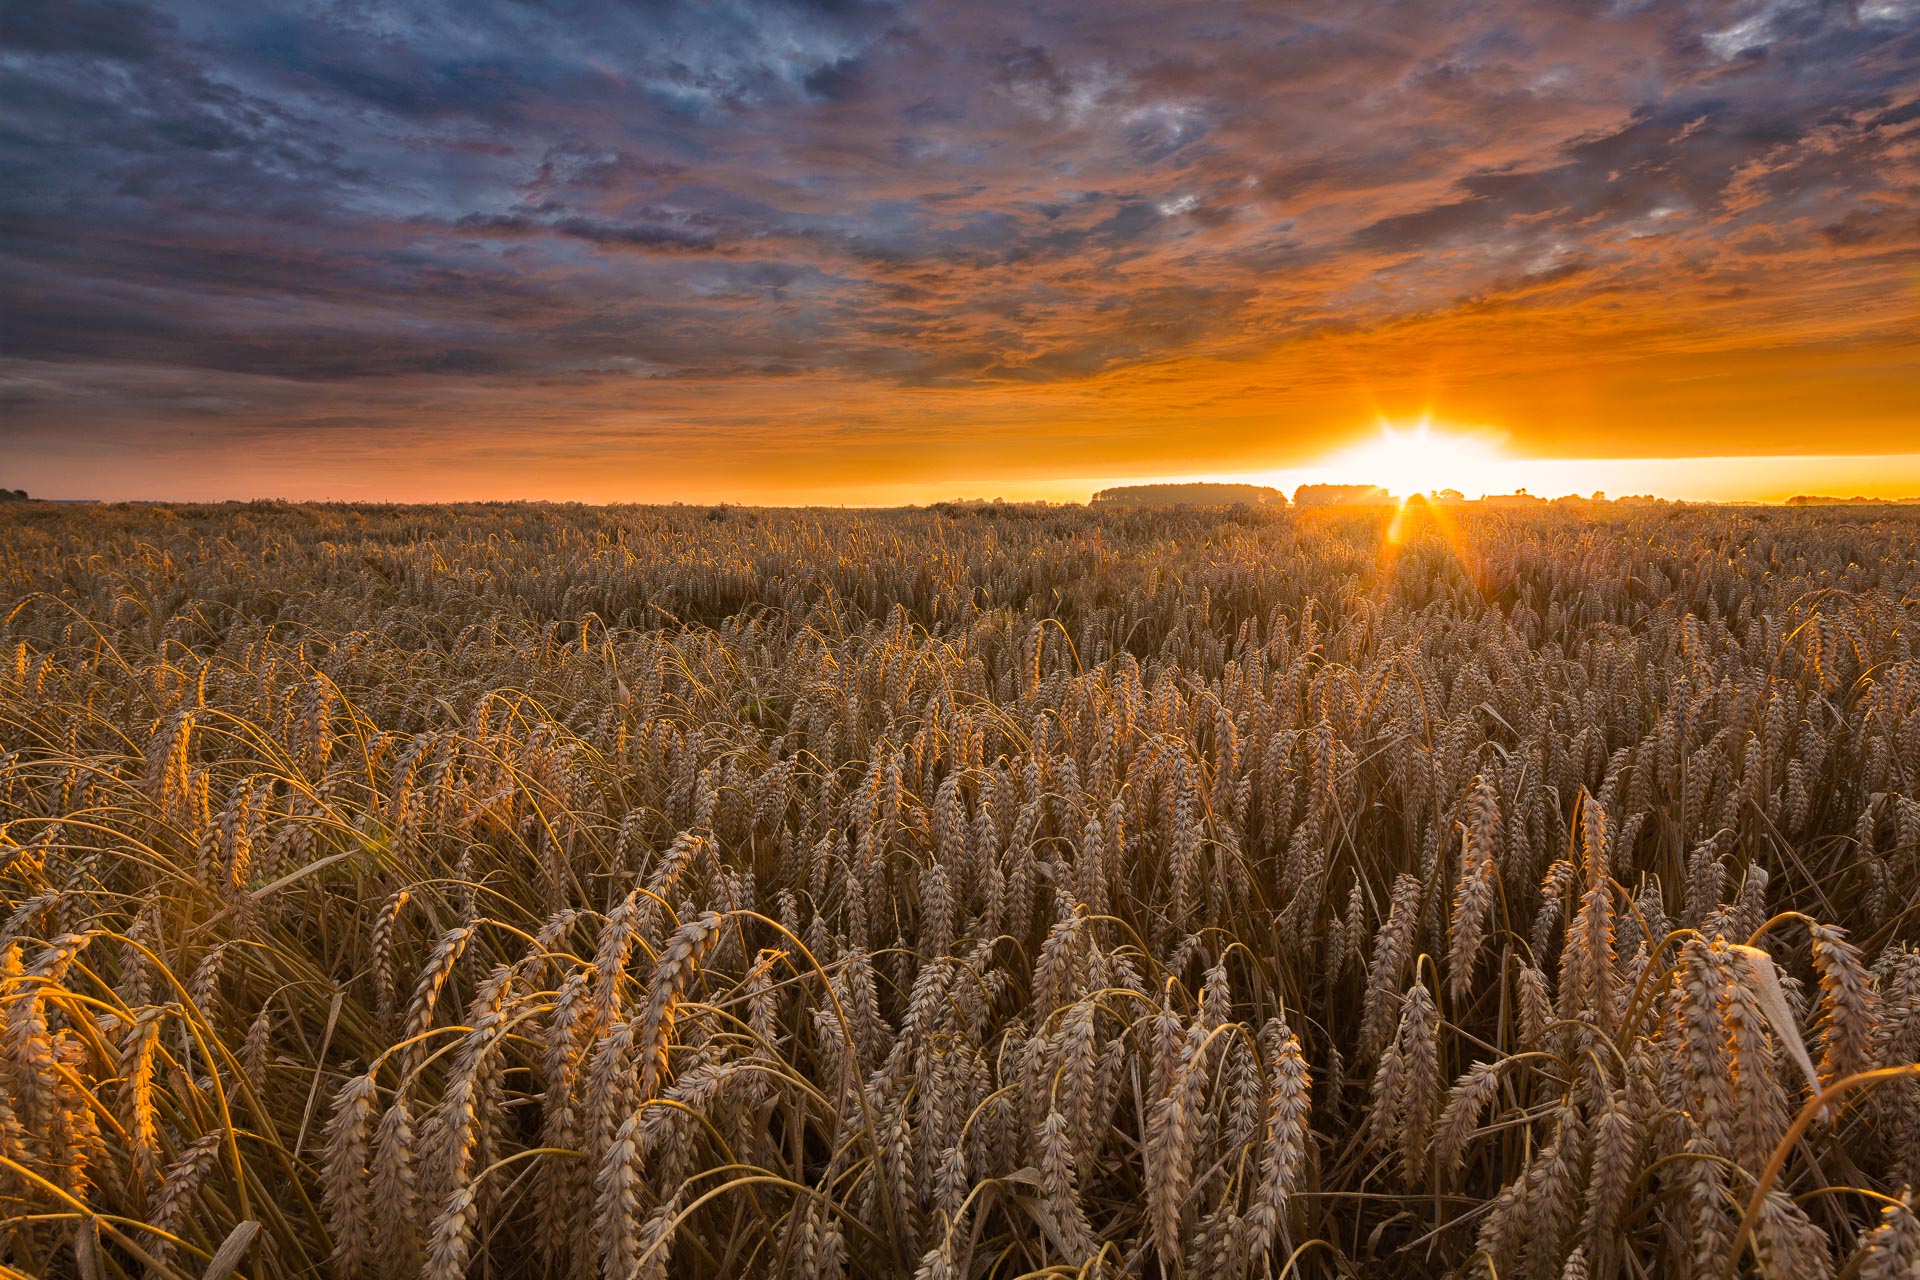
(865, 251)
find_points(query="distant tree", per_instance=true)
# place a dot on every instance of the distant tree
(1857, 500)
(1339, 495)
(13, 495)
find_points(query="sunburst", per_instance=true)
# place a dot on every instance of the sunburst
(1420, 458)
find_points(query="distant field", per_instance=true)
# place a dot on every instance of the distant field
(564, 891)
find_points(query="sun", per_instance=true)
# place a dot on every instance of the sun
(1419, 458)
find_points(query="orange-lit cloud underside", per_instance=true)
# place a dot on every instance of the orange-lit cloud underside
(775, 250)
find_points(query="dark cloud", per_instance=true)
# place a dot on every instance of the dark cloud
(666, 233)
(117, 29)
(407, 202)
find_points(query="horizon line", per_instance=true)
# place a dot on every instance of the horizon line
(1738, 479)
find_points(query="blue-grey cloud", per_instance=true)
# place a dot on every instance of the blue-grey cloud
(615, 199)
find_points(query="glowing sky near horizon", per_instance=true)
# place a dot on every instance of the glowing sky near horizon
(858, 250)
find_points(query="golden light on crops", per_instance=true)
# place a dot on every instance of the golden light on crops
(1132, 856)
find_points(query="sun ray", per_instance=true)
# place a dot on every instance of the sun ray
(1419, 458)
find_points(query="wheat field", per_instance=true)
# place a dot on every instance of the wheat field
(963, 892)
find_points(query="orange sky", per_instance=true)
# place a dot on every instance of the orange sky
(892, 251)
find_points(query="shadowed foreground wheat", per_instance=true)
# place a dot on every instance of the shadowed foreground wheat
(567, 892)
